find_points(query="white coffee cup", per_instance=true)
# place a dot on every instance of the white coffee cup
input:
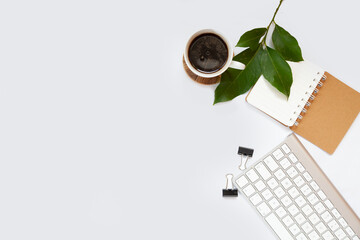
(212, 74)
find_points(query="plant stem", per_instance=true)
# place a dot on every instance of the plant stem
(272, 21)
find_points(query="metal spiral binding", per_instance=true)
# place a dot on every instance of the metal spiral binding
(311, 98)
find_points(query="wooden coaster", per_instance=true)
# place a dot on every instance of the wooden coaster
(196, 78)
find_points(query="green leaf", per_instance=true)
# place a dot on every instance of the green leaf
(245, 56)
(224, 90)
(251, 38)
(276, 70)
(235, 82)
(286, 44)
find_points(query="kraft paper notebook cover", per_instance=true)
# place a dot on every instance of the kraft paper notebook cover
(320, 108)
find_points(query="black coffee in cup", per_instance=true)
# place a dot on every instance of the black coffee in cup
(208, 53)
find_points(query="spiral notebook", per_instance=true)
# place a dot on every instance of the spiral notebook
(320, 108)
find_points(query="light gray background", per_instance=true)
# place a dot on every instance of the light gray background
(103, 135)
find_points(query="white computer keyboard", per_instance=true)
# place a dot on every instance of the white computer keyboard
(295, 198)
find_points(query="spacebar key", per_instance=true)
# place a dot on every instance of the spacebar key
(278, 228)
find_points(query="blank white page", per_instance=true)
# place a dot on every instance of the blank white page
(268, 99)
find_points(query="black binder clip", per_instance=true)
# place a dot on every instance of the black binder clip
(229, 192)
(247, 153)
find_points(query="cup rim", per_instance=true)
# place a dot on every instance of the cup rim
(218, 72)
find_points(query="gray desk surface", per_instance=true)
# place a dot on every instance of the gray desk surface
(103, 136)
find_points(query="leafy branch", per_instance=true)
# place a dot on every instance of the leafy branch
(260, 59)
(272, 21)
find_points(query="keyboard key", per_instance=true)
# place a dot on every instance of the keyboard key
(285, 163)
(299, 181)
(279, 174)
(326, 216)
(280, 212)
(279, 192)
(262, 170)
(293, 158)
(306, 190)
(263, 209)
(300, 167)
(333, 225)
(293, 210)
(300, 219)
(242, 181)
(278, 154)
(321, 228)
(272, 183)
(249, 190)
(340, 234)
(328, 236)
(343, 222)
(307, 210)
(307, 227)
(267, 194)
(277, 226)
(329, 204)
(300, 201)
(307, 176)
(322, 195)
(293, 192)
(287, 221)
(336, 213)
(286, 201)
(319, 207)
(313, 198)
(260, 185)
(286, 183)
(314, 218)
(294, 229)
(285, 148)
(292, 172)
(313, 236)
(314, 185)
(270, 162)
(350, 231)
(274, 203)
(252, 175)
(256, 199)
(301, 236)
